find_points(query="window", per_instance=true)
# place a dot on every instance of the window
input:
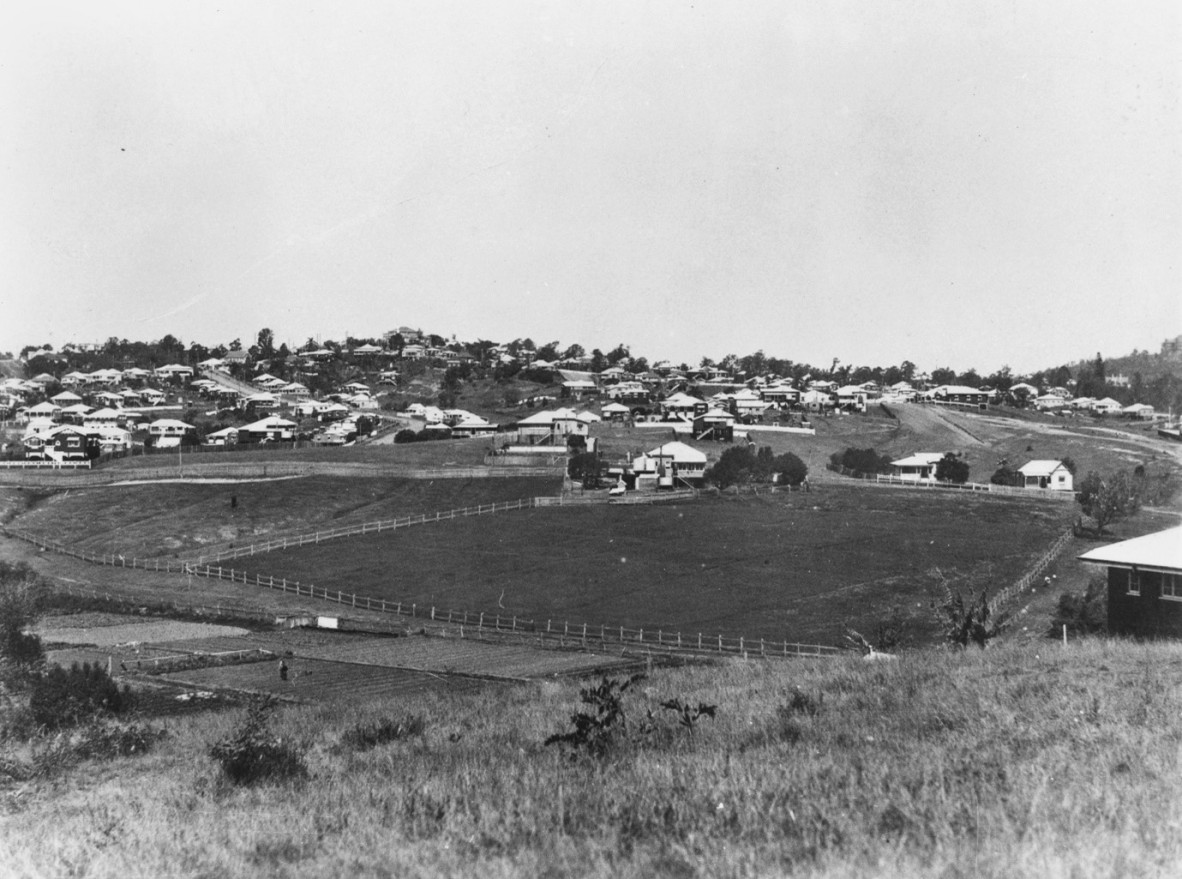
(1171, 586)
(1134, 583)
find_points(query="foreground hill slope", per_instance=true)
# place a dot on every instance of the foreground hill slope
(1033, 760)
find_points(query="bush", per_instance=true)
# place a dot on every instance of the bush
(62, 698)
(739, 465)
(406, 435)
(971, 621)
(861, 461)
(365, 736)
(22, 596)
(1083, 614)
(951, 468)
(253, 754)
(1003, 475)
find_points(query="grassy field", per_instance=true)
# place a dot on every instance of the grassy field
(186, 519)
(799, 567)
(1036, 761)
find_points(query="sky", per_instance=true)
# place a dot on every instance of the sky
(957, 184)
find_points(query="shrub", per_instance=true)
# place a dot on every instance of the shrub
(1083, 613)
(365, 736)
(951, 468)
(252, 753)
(62, 697)
(22, 596)
(861, 461)
(971, 621)
(406, 435)
(1003, 475)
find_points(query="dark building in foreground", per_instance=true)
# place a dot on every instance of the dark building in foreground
(1144, 584)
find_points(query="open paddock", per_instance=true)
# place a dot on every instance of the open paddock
(800, 566)
(183, 520)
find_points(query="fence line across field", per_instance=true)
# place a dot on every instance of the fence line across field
(67, 473)
(1033, 573)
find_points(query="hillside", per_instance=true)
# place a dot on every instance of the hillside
(1026, 761)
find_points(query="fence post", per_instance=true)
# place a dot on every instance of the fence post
(432, 612)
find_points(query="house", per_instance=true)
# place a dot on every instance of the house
(715, 424)
(578, 388)
(1137, 410)
(227, 436)
(552, 426)
(780, 395)
(174, 371)
(852, 397)
(816, 399)
(1050, 403)
(63, 443)
(1144, 583)
(1046, 474)
(920, 467)
(260, 401)
(65, 398)
(45, 410)
(960, 394)
(1107, 406)
(616, 412)
(672, 465)
(470, 425)
(683, 406)
(271, 429)
(101, 418)
(167, 433)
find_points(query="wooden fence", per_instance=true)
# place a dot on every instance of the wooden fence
(189, 469)
(469, 623)
(1032, 576)
(980, 487)
(44, 465)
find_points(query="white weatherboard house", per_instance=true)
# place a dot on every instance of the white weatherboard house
(673, 465)
(1046, 474)
(920, 467)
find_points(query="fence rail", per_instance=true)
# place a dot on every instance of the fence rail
(44, 465)
(981, 487)
(188, 469)
(1036, 570)
(469, 623)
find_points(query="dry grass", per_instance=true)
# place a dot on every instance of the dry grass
(1031, 761)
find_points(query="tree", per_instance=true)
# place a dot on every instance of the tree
(574, 352)
(584, 467)
(951, 468)
(943, 376)
(266, 340)
(1108, 499)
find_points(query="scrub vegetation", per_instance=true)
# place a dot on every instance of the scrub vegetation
(1016, 760)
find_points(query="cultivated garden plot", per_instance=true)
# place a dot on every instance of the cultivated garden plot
(316, 680)
(799, 567)
(139, 631)
(465, 656)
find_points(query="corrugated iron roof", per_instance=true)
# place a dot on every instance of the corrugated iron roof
(1160, 550)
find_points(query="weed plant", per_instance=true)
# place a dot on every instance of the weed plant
(368, 735)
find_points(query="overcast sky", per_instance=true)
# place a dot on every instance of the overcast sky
(958, 184)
